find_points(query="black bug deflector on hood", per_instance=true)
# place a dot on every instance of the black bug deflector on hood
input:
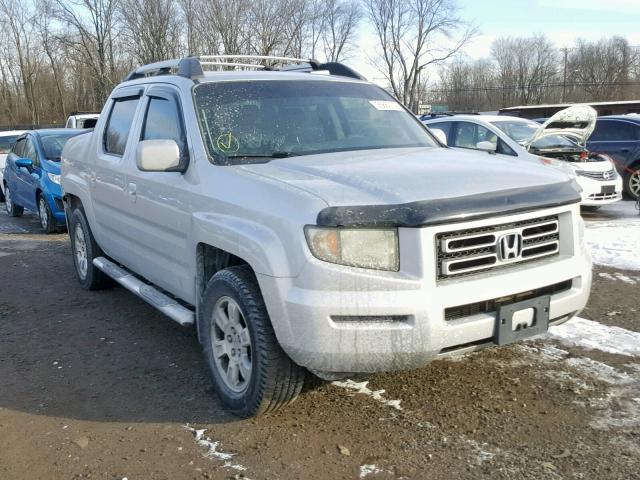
(451, 210)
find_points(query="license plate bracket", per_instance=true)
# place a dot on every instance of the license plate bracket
(506, 332)
(608, 189)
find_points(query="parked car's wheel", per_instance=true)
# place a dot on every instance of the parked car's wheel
(251, 373)
(632, 181)
(12, 209)
(47, 221)
(84, 249)
(590, 208)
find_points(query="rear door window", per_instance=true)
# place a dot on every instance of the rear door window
(6, 143)
(119, 125)
(614, 131)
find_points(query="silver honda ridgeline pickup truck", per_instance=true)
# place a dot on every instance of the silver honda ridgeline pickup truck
(305, 221)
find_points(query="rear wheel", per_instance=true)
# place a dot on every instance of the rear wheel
(251, 373)
(632, 182)
(47, 221)
(85, 249)
(12, 209)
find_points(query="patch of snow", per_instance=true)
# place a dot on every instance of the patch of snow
(480, 452)
(614, 244)
(212, 449)
(366, 470)
(361, 387)
(597, 336)
(619, 276)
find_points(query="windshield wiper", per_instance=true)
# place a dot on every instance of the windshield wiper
(265, 155)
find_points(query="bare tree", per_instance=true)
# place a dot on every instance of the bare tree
(413, 35)
(341, 17)
(93, 27)
(152, 28)
(18, 20)
(525, 67)
(604, 68)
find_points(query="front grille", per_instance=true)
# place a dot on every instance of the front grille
(491, 306)
(602, 176)
(466, 252)
(603, 196)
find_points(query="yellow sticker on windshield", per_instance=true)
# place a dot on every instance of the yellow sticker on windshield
(386, 105)
(227, 143)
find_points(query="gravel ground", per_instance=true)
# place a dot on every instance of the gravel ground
(100, 385)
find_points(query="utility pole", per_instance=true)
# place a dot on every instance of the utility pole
(565, 51)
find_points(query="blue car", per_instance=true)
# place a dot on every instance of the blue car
(619, 137)
(32, 176)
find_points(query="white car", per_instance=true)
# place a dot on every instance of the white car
(560, 142)
(7, 139)
(82, 120)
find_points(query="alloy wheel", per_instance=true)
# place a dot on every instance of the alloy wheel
(231, 344)
(634, 183)
(42, 211)
(80, 251)
(8, 203)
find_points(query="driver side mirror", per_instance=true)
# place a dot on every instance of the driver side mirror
(487, 146)
(24, 163)
(159, 156)
(440, 135)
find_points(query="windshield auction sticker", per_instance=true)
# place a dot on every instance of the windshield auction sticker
(386, 105)
(227, 143)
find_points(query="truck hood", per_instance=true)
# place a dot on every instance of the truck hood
(576, 122)
(404, 175)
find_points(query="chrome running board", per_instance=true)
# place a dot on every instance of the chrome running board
(149, 294)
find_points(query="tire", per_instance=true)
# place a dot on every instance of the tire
(632, 182)
(84, 245)
(47, 222)
(12, 209)
(591, 208)
(272, 380)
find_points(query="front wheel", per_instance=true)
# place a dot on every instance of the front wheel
(632, 182)
(85, 249)
(47, 221)
(251, 373)
(12, 209)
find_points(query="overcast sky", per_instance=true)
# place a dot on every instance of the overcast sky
(563, 21)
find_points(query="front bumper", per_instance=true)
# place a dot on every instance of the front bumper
(339, 319)
(592, 193)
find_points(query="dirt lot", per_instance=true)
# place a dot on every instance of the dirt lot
(99, 385)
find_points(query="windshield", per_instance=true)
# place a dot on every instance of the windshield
(554, 142)
(6, 143)
(52, 144)
(249, 122)
(519, 131)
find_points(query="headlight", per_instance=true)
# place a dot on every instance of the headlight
(376, 249)
(54, 178)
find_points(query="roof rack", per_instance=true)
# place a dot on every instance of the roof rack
(191, 67)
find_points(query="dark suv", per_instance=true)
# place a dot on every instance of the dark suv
(619, 137)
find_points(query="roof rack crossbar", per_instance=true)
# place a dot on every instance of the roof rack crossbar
(234, 64)
(255, 57)
(191, 67)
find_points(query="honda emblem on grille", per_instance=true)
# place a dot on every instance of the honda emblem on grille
(510, 246)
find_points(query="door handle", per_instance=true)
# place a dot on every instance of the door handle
(131, 190)
(625, 150)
